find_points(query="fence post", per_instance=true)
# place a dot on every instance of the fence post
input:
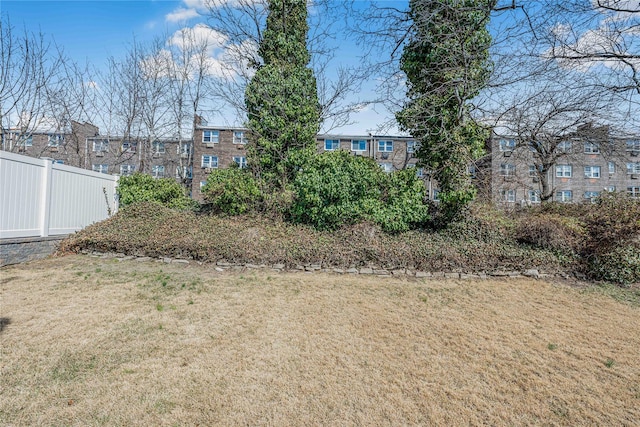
(45, 197)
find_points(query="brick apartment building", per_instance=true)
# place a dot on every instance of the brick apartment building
(81, 145)
(584, 168)
(587, 163)
(218, 147)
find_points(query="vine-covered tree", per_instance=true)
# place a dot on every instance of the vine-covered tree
(281, 99)
(446, 62)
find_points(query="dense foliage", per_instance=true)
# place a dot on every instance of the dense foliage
(553, 237)
(446, 63)
(232, 191)
(144, 188)
(281, 99)
(336, 188)
(605, 235)
(149, 229)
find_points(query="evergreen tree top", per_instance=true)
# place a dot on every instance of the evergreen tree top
(285, 38)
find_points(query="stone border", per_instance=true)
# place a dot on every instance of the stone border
(222, 266)
(16, 251)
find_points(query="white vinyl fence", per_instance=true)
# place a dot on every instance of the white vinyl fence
(39, 198)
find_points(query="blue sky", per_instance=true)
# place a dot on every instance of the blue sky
(93, 30)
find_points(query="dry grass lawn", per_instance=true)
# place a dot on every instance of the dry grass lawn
(89, 341)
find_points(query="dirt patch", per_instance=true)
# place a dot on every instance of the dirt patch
(106, 342)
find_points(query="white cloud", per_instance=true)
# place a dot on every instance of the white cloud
(181, 15)
(192, 8)
(594, 47)
(198, 36)
(200, 49)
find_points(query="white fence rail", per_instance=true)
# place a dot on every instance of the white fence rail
(39, 198)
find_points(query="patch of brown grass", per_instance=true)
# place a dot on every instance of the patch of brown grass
(101, 342)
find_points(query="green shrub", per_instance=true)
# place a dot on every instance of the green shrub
(232, 191)
(404, 207)
(335, 189)
(144, 188)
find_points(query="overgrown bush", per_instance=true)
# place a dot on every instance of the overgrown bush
(613, 229)
(144, 188)
(149, 229)
(614, 220)
(232, 191)
(335, 189)
(403, 196)
(482, 221)
(620, 264)
(551, 231)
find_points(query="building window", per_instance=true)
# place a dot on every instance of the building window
(535, 146)
(202, 184)
(238, 137)
(359, 145)
(385, 146)
(419, 171)
(387, 167)
(507, 169)
(534, 171)
(211, 136)
(157, 171)
(331, 144)
(209, 161)
(564, 147)
(100, 168)
(633, 191)
(591, 148)
(564, 196)
(533, 196)
(129, 146)
(633, 145)
(127, 169)
(507, 144)
(591, 195)
(633, 168)
(612, 168)
(240, 161)
(55, 140)
(411, 146)
(27, 141)
(184, 149)
(473, 171)
(184, 172)
(592, 171)
(100, 146)
(563, 171)
(508, 196)
(611, 188)
(158, 147)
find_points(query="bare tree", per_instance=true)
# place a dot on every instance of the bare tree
(26, 67)
(241, 24)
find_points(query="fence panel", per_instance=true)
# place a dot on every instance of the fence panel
(39, 198)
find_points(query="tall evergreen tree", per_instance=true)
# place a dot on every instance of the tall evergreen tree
(281, 99)
(446, 62)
